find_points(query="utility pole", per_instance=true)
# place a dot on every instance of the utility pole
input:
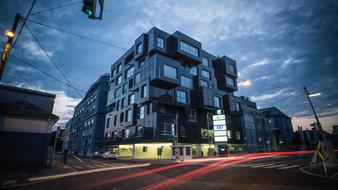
(10, 35)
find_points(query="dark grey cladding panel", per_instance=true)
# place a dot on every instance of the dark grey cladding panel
(143, 41)
(153, 36)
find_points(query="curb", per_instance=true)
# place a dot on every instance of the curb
(317, 175)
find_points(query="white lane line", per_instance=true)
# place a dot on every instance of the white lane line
(89, 166)
(260, 166)
(248, 165)
(85, 172)
(99, 165)
(276, 166)
(288, 167)
(77, 167)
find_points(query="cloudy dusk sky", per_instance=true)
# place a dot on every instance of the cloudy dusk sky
(280, 45)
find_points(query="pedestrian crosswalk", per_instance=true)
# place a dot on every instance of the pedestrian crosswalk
(278, 166)
(92, 165)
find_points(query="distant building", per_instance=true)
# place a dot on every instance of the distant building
(67, 130)
(26, 120)
(250, 122)
(281, 126)
(87, 125)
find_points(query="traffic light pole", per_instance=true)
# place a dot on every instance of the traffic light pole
(8, 45)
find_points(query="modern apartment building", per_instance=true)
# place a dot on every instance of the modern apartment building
(163, 91)
(87, 125)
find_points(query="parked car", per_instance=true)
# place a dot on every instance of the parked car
(98, 154)
(110, 155)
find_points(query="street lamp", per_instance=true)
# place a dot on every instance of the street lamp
(246, 82)
(314, 94)
(9, 34)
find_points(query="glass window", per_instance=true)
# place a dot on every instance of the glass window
(126, 133)
(168, 129)
(125, 88)
(230, 81)
(205, 62)
(119, 80)
(238, 106)
(145, 149)
(115, 120)
(160, 42)
(193, 70)
(139, 48)
(217, 101)
(186, 82)
(205, 74)
(118, 92)
(229, 134)
(139, 131)
(128, 115)
(112, 74)
(169, 71)
(121, 117)
(238, 135)
(108, 123)
(181, 97)
(137, 78)
(192, 115)
(144, 91)
(232, 68)
(131, 99)
(117, 105)
(130, 72)
(204, 83)
(141, 112)
(182, 131)
(189, 48)
(119, 68)
(122, 102)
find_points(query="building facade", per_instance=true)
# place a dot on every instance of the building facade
(87, 125)
(26, 120)
(281, 126)
(249, 122)
(162, 93)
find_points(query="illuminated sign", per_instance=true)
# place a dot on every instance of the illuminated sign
(220, 133)
(220, 127)
(221, 139)
(219, 122)
(218, 117)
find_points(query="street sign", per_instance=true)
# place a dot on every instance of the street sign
(218, 117)
(220, 128)
(220, 133)
(219, 122)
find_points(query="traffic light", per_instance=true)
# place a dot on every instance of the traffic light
(89, 7)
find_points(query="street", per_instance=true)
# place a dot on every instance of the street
(241, 172)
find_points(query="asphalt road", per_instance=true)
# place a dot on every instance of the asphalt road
(255, 172)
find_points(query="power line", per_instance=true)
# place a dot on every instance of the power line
(50, 9)
(283, 99)
(24, 22)
(78, 35)
(51, 60)
(45, 73)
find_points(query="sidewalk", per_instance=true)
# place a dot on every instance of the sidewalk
(318, 171)
(11, 177)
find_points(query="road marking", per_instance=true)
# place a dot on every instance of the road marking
(77, 166)
(89, 166)
(85, 172)
(99, 165)
(247, 165)
(276, 166)
(280, 156)
(264, 165)
(288, 167)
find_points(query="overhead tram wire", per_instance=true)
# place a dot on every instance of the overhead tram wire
(47, 74)
(50, 59)
(23, 24)
(78, 35)
(61, 6)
